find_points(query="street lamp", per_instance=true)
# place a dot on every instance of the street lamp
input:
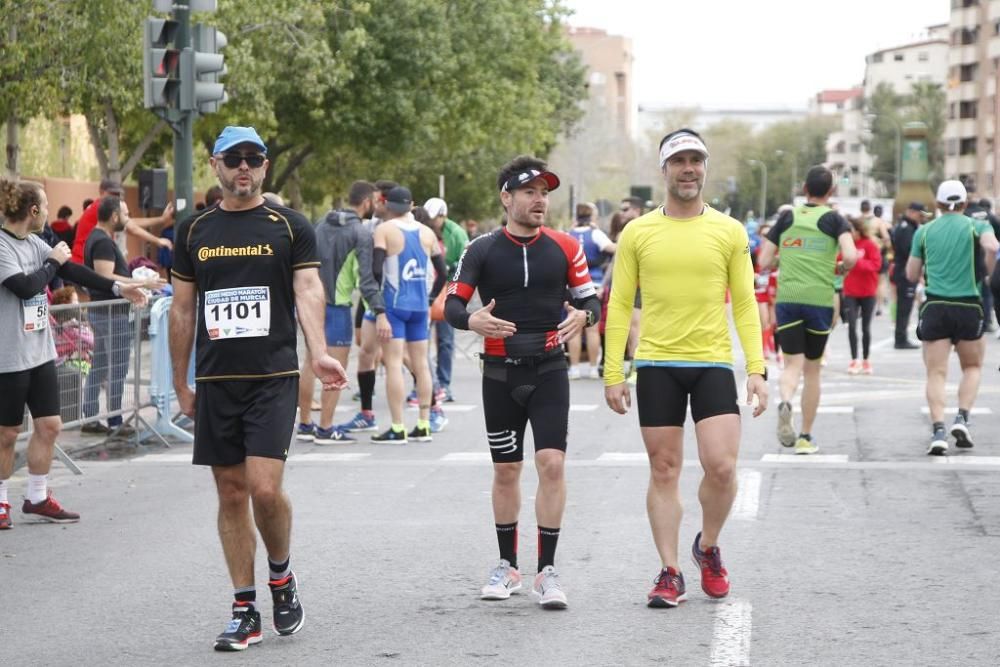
(899, 144)
(795, 170)
(763, 189)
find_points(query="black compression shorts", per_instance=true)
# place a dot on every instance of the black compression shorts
(235, 419)
(952, 319)
(515, 395)
(37, 387)
(662, 394)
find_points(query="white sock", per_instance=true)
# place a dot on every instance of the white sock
(3, 491)
(37, 488)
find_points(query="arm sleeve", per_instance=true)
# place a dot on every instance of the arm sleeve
(464, 282)
(745, 313)
(455, 312)
(82, 275)
(183, 268)
(440, 275)
(833, 225)
(591, 304)
(371, 289)
(27, 285)
(781, 225)
(378, 262)
(304, 253)
(624, 282)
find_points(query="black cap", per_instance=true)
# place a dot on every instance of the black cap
(111, 186)
(399, 200)
(522, 178)
(917, 206)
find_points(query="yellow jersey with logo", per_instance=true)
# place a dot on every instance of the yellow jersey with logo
(685, 268)
(242, 264)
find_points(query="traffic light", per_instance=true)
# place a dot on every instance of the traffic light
(160, 64)
(201, 66)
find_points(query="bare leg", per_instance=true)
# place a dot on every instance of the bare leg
(506, 492)
(790, 376)
(665, 447)
(550, 501)
(970, 356)
(272, 510)
(392, 356)
(422, 371)
(307, 381)
(329, 399)
(810, 393)
(936, 360)
(42, 443)
(239, 543)
(718, 449)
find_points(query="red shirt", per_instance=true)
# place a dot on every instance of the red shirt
(862, 280)
(84, 226)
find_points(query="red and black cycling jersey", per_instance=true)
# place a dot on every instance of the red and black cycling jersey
(528, 277)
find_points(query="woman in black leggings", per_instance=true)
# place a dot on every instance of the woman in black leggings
(860, 290)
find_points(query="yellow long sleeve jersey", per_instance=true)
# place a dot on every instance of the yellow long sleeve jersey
(684, 269)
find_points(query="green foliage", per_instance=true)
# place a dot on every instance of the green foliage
(890, 111)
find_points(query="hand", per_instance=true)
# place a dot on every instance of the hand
(618, 397)
(134, 294)
(154, 283)
(168, 212)
(329, 372)
(383, 330)
(165, 243)
(575, 322)
(61, 253)
(757, 386)
(484, 324)
(185, 399)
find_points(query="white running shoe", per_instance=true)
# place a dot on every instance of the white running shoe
(504, 582)
(547, 590)
(594, 373)
(574, 373)
(786, 430)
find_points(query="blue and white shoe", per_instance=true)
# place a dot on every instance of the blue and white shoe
(332, 436)
(359, 423)
(306, 432)
(438, 420)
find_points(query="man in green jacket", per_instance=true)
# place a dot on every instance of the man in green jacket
(455, 239)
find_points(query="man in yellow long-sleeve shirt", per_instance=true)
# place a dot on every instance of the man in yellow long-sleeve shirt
(686, 256)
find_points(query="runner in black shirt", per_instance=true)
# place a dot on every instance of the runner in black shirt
(244, 265)
(522, 272)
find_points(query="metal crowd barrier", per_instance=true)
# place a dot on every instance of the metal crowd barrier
(161, 385)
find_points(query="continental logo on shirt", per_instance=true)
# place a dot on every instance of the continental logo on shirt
(205, 254)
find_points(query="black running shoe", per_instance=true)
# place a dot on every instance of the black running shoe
(960, 431)
(242, 631)
(391, 437)
(288, 614)
(420, 434)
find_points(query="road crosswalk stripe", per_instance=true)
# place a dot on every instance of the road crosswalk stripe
(731, 634)
(954, 411)
(799, 458)
(747, 496)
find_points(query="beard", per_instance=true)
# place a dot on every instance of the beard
(688, 194)
(242, 191)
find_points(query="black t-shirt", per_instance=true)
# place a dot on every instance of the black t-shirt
(830, 223)
(100, 246)
(528, 278)
(242, 263)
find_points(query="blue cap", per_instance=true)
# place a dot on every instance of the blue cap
(234, 135)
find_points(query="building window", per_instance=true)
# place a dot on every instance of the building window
(923, 56)
(876, 57)
(855, 169)
(967, 73)
(951, 147)
(967, 146)
(898, 57)
(969, 35)
(996, 28)
(967, 109)
(855, 148)
(840, 147)
(951, 111)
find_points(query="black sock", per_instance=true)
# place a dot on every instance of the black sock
(245, 595)
(366, 384)
(938, 426)
(806, 436)
(278, 571)
(964, 414)
(547, 538)
(507, 538)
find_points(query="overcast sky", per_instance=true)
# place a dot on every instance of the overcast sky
(753, 53)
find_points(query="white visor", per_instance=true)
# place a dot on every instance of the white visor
(680, 143)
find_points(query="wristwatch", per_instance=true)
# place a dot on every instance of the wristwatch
(116, 288)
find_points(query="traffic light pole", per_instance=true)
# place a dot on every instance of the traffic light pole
(183, 124)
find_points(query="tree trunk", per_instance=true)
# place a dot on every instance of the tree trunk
(296, 161)
(114, 161)
(13, 145)
(294, 191)
(143, 146)
(95, 141)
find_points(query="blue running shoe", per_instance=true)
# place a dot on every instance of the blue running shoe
(306, 432)
(332, 436)
(438, 420)
(358, 424)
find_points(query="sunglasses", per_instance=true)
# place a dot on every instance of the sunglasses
(233, 160)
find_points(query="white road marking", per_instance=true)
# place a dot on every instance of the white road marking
(328, 457)
(954, 411)
(476, 457)
(829, 409)
(802, 458)
(967, 460)
(580, 407)
(731, 634)
(450, 407)
(747, 501)
(620, 457)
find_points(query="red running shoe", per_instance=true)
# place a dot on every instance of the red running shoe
(5, 523)
(669, 590)
(714, 578)
(49, 510)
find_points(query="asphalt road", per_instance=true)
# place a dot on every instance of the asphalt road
(871, 554)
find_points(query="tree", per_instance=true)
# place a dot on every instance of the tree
(926, 104)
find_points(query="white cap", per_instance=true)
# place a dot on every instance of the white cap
(951, 193)
(681, 142)
(435, 206)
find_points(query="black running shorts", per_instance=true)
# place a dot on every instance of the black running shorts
(662, 394)
(235, 419)
(515, 395)
(37, 387)
(954, 319)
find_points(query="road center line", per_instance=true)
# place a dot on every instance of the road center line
(731, 634)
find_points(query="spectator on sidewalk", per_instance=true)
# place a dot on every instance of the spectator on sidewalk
(63, 228)
(136, 227)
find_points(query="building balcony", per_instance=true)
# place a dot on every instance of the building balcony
(962, 55)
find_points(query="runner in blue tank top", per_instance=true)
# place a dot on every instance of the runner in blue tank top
(598, 248)
(400, 263)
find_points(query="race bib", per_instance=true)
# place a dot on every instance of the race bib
(36, 313)
(238, 312)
